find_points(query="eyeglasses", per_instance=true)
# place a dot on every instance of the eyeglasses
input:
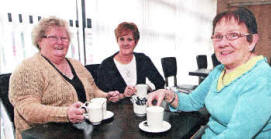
(55, 38)
(229, 36)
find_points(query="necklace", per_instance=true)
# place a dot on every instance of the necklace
(128, 74)
(65, 70)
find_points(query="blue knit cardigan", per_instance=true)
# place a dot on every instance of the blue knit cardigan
(240, 110)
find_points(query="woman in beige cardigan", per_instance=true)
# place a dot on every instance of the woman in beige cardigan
(49, 87)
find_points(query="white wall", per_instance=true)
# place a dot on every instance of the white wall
(180, 28)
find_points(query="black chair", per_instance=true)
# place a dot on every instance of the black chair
(202, 61)
(93, 68)
(202, 64)
(215, 61)
(4, 85)
(169, 65)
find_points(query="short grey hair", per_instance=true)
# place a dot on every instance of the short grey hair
(40, 29)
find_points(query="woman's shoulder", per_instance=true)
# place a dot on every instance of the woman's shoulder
(108, 60)
(31, 65)
(216, 71)
(74, 61)
(77, 65)
(262, 69)
(141, 56)
(31, 62)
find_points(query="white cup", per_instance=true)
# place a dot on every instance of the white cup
(139, 105)
(95, 110)
(100, 101)
(155, 115)
(141, 90)
(94, 113)
(139, 110)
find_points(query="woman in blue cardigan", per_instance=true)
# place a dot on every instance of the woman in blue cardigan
(236, 93)
(124, 69)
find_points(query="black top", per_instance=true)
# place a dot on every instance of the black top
(75, 82)
(110, 79)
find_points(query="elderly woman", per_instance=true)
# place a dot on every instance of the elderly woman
(49, 87)
(237, 92)
(124, 69)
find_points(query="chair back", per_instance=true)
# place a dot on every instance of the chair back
(202, 61)
(215, 61)
(4, 85)
(93, 69)
(169, 65)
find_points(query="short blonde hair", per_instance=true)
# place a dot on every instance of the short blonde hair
(39, 30)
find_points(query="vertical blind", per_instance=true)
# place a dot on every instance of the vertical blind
(177, 28)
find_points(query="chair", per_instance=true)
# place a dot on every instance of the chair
(202, 64)
(93, 68)
(6, 108)
(215, 61)
(202, 61)
(4, 85)
(169, 65)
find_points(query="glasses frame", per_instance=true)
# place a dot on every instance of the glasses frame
(56, 38)
(228, 36)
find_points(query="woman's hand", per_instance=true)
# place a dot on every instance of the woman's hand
(129, 91)
(75, 113)
(158, 95)
(162, 94)
(113, 96)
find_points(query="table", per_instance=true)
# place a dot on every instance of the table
(200, 72)
(124, 125)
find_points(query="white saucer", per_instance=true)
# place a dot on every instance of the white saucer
(108, 114)
(166, 126)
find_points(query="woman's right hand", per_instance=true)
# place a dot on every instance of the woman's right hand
(75, 113)
(162, 94)
(157, 95)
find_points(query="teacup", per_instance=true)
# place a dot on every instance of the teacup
(95, 110)
(140, 110)
(139, 105)
(141, 90)
(100, 101)
(155, 115)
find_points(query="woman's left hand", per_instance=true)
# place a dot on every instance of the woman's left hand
(129, 91)
(113, 96)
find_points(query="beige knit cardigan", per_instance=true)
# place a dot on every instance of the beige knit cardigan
(40, 94)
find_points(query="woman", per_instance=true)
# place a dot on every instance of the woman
(237, 92)
(124, 69)
(49, 87)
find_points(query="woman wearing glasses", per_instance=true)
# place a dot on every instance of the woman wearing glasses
(49, 87)
(236, 93)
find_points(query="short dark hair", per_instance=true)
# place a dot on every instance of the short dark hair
(125, 27)
(241, 15)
